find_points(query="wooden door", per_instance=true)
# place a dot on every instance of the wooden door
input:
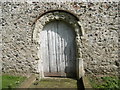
(58, 49)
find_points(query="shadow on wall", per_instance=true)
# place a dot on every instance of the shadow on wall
(80, 85)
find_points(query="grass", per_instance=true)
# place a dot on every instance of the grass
(9, 81)
(106, 82)
(56, 83)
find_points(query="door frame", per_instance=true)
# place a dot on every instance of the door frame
(71, 19)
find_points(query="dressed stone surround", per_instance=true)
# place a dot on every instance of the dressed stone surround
(97, 42)
(64, 16)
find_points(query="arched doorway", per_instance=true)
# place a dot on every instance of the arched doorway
(42, 22)
(57, 48)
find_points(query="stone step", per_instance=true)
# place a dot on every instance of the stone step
(86, 83)
(28, 82)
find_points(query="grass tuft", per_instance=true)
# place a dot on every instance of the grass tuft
(9, 81)
(108, 82)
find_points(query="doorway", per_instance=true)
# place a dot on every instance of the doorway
(57, 46)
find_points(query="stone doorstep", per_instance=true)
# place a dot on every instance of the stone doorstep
(28, 82)
(55, 78)
(32, 78)
(86, 83)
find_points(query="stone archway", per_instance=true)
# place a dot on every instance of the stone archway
(75, 23)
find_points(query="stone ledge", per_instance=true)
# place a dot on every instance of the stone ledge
(28, 82)
(86, 83)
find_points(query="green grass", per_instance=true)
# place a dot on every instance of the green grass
(9, 81)
(107, 82)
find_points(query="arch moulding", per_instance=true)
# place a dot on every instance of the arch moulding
(75, 23)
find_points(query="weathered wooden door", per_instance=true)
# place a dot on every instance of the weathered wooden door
(58, 49)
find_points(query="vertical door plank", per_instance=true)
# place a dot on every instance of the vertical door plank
(44, 49)
(58, 44)
(46, 52)
(50, 47)
(62, 39)
(66, 49)
(50, 50)
(53, 47)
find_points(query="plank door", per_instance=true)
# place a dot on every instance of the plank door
(58, 49)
